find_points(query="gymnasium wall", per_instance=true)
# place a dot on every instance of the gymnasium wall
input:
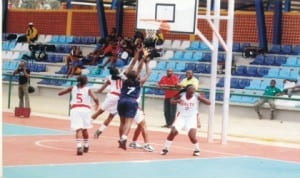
(84, 23)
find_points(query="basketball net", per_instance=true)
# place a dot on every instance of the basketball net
(155, 25)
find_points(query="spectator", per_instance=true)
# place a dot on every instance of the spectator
(292, 87)
(189, 79)
(170, 81)
(31, 33)
(271, 90)
(73, 61)
(24, 75)
(158, 49)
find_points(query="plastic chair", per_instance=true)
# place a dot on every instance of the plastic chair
(269, 60)
(273, 73)
(221, 83)
(195, 45)
(236, 47)
(240, 70)
(234, 83)
(190, 66)
(176, 44)
(276, 49)
(185, 44)
(161, 65)
(55, 39)
(251, 71)
(200, 68)
(188, 55)
(243, 83)
(197, 56)
(254, 85)
(206, 57)
(62, 39)
(91, 40)
(291, 61)
(69, 39)
(262, 71)
(286, 49)
(178, 55)
(279, 60)
(204, 47)
(180, 66)
(259, 60)
(296, 49)
(76, 40)
(84, 40)
(284, 73)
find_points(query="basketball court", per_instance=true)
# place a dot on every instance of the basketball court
(44, 147)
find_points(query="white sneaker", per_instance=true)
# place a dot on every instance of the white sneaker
(164, 151)
(148, 148)
(196, 153)
(135, 145)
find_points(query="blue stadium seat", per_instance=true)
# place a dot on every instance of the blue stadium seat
(251, 71)
(197, 56)
(240, 70)
(236, 98)
(188, 55)
(208, 68)
(69, 39)
(171, 65)
(264, 84)
(294, 74)
(62, 39)
(84, 40)
(178, 55)
(153, 77)
(60, 48)
(91, 40)
(296, 49)
(200, 68)
(55, 39)
(254, 85)
(58, 58)
(204, 47)
(243, 83)
(276, 49)
(63, 70)
(206, 57)
(221, 83)
(180, 66)
(244, 46)
(190, 66)
(67, 49)
(195, 45)
(269, 60)
(286, 49)
(219, 96)
(41, 67)
(236, 47)
(262, 71)
(76, 40)
(5, 45)
(259, 60)
(291, 61)
(51, 58)
(273, 73)
(284, 73)
(234, 83)
(279, 60)
(161, 65)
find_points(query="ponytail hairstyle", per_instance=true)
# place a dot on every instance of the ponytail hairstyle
(131, 77)
(82, 80)
(114, 72)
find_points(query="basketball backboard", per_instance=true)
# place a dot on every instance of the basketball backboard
(181, 15)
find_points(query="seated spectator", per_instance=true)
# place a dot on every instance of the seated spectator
(292, 87)
(120, 56)
(97, 55)
(31, 33)
(30, 36)
(158, 50)
(271, 90)
(73, 60)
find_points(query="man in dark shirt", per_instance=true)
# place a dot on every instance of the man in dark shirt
(24, 75)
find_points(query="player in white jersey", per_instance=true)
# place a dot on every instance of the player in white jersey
(186, 117)
(80, 115)
(111, 101)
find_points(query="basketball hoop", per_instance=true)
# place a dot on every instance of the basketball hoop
(153, 25)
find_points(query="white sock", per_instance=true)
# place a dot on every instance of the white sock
(86, 143)
(167, 144)
(102, 128)
(123, 137)
(78, 143)
(196, 146)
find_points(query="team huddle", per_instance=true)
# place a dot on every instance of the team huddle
(123, 100)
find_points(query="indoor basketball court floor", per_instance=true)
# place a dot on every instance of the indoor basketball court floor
(42, 147)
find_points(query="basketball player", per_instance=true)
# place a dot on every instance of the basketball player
(130, 92)
(80, 115)
(186, 117)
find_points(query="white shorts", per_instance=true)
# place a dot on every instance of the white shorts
(139, 117)
(80, 118)
(185, 122)
(110, 103)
